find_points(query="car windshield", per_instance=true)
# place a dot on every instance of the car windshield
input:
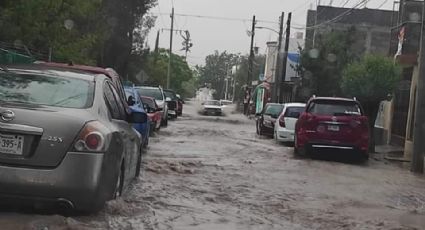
(151, 92)
(294, 112)
(45, 90)
(335, 108)
(273, 110)
(217, 103)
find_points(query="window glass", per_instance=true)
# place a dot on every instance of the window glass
(334, 108)
(46, 90)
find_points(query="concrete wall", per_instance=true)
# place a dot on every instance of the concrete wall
(408, 146)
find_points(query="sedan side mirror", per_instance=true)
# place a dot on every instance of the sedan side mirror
(137, 117)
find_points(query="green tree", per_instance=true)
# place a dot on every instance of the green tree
(71, 29)
(321, 68)
(155, 67)
(371, 80)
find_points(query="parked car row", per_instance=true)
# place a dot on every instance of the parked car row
(324, 123)
(72, 135)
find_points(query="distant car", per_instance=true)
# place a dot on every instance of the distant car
(332, 123)
(66, 138)
(225, 102)
(180, 105)
(158, 94)
(284, 128)
(136, 105)
(172, 102)
(266, 119)
(212, 107)
(154, 113)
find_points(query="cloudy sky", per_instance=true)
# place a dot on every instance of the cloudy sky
(227, 30)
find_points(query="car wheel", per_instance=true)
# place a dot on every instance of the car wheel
(139, 164)
(120, 182)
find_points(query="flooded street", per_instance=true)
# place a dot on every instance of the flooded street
(215, 173)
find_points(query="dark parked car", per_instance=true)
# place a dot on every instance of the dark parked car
(154, 113)
(332, 123)
(65, 138)
(267, 118)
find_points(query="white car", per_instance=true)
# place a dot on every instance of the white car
(212, 107)
(285, 124)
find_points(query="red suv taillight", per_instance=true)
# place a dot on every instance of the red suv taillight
(92, 138)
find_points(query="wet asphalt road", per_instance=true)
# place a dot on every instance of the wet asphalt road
(215, 173)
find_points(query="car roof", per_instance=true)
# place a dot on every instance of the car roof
(294, 104)
(85, 68)
(333, 99)
(49, 70)
(146, 87)
(274, 104)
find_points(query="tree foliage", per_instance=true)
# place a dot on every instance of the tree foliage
(321, 67)
(94, 32)
(218, 66)
(155, 69)
(371, 80)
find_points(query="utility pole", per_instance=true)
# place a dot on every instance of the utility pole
(251, 52)
(171, 49)
(285, 55)
(157, 43)
(419, 128)
(277, 77)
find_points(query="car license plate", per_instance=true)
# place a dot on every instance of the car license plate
(11, 144)
(334, 128)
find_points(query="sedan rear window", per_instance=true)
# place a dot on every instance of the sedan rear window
(150, 92)
(273, 110)
(46, 90)
(334, 108)
(294, 112)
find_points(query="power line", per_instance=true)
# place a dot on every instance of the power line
(335, 19)
(223, 18)
(345, 3)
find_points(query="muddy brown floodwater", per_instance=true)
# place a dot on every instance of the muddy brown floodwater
(215, 173)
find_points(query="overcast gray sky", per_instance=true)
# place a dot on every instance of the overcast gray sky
(209, 35)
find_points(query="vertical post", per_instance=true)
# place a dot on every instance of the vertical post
(50, 54)
(251, 52)
(277, 77)
(157, 43)
(250, 65)
(285, 55)
(171, 49)
(419, 128)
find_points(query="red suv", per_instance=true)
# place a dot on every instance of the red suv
(332, 123)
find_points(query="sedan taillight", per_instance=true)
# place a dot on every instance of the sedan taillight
(92, 138)
(282, 122)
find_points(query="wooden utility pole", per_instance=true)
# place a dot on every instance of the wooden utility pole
(419, 128)
(171, 49)
(251, 52)
(157, 43)
(276, 88)
(285, 56)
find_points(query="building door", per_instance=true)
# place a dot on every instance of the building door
(401, 109)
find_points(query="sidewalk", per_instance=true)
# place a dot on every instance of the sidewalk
(390, 152)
